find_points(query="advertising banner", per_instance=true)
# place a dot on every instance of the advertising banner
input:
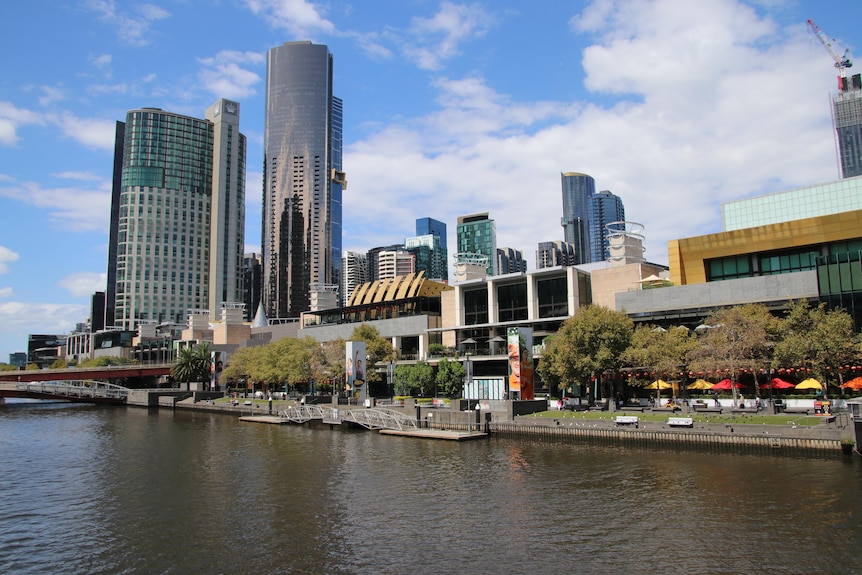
(355, 369)
(520, 351)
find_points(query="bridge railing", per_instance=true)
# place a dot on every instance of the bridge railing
(75, 388)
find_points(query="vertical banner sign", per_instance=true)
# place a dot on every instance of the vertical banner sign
(520, 351)
(216, 366)
(355, 369)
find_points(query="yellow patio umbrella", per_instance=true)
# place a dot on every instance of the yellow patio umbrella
(658, 384)
(810, 383)
(699, 384)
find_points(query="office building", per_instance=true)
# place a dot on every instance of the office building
(430, 256)
(604, 208)
(477, 236)
(425, 226)
(847, 116)
(372, 260)
(577, 191)
(303, 181)
(510, 261)
(178, 215)
(252, 284)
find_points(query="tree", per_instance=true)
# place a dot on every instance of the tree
(659, 350)
(816, 339)
(739, 338)
(587, 344)
(403, 385)
(192, 364)
(450, 377)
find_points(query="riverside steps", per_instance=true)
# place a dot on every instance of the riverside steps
(824, 436)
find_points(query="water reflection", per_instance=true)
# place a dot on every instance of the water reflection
(107, 490)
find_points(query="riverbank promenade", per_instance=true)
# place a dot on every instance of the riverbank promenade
(780, 433)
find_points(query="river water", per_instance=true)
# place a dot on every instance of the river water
(90, 489)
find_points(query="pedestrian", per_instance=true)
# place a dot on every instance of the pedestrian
(715, 398)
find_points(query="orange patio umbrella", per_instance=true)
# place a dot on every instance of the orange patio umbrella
(855, 383)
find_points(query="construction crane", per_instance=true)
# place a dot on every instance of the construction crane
(841, 62)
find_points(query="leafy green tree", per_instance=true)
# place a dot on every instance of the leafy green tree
(659, 350)
(816, 338)
(192, 364)
(739, 338)
(59, 363)
(587, 344)
(450, 377)
(403, 380)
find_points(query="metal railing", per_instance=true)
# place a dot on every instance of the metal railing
(78, 389)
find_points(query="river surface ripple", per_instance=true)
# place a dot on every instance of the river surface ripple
(107, 490)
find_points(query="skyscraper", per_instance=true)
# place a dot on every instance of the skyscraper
(577, 191)
(510, 261)
(177, 215)
(303, 181)
(605, 208)
(556, 253)
(477, 235)
(847, 116)
(355, 272)
(432, 255)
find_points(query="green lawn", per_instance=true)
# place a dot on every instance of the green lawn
(781, 419)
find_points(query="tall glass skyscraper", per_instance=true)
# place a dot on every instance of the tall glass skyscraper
(303, 181)
(477, 235)
(177, 215)
(605, 208)
(577, 191)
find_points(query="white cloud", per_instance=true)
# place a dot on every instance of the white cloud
(708, 103)
(84, 284)
(51, 95)
(86, 176)
(131, 26)
(298, 17)
(93, 133)
(7, 256)
(22, 318)
(431, 41)
(73, 209)
(6, 292)
(224, 76)
(11, 118)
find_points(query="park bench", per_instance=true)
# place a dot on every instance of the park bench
(680, 421)
(667, 409)
(633, 407)
(626, 420)
(703, 408)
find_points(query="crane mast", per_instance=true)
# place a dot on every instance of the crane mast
(841, 62)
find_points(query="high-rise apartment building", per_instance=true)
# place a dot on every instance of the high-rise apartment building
(556, 253)
(477, 235)
(355, 272)
(303, 181)
(847, 116)
(605, 208)
(429, 246)
(577, 191)
(510, 261)
(394, 263)
(177, 216)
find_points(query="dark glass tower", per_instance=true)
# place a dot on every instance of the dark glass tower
(847, 115)
(577, 191)
(605, 208)
(303, 181)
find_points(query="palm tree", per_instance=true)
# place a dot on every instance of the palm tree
(192, 364)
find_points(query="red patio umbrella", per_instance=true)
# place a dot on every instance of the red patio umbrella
(778, 383)
(724, 385)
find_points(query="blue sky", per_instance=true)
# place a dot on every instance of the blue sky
(450, 108)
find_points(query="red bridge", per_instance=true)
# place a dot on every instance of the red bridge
(105, 373)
